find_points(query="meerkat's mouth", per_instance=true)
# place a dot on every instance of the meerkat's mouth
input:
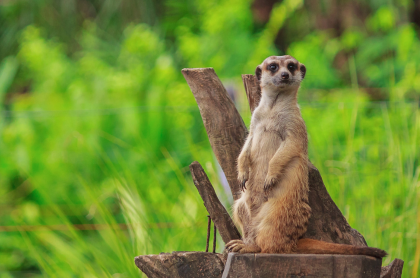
(283, 83)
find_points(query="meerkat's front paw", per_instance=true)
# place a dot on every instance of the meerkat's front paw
(269, 183)
(242, 178)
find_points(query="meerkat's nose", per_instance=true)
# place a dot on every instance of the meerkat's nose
(284, 75)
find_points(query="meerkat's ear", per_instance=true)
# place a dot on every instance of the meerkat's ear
(258, 72)
(303, 70)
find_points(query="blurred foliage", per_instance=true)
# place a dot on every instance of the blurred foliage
(98, 126)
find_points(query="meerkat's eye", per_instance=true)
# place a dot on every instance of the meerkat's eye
(291, 67)
(273, 67)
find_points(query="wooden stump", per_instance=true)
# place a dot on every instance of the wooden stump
(227, 133)
(181, 265)
(293, 265)
(211, 265)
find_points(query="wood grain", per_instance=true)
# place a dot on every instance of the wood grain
(225, 127)
(217, 211)
(181, 265)
(393, 270)
(252, 89)
(292, 265)
(327, 223)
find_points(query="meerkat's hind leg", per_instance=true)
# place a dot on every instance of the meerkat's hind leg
(239, 246)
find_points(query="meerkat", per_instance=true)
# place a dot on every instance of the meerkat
(273, 210)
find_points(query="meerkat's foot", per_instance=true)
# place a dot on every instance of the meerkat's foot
(242, 178)
(232, 243)
(240, 247)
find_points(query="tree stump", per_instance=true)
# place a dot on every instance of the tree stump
(227, 133)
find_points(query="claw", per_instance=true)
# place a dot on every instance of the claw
(242, 184)
(269, 184)
(232, 247)
(233, 244)
(242, 179)
(237, 248)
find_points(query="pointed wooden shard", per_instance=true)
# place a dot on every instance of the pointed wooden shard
(217, 211)
(225, 128)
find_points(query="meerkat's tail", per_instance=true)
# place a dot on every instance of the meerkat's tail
(311, 246)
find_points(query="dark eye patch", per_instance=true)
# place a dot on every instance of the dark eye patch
(291, 67)
(273, 67)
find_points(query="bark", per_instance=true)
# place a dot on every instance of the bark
(225, 128)
(393, 270)
(292, 265)
(252, 89)
(217, 211)
(181, 265)
(327, 223)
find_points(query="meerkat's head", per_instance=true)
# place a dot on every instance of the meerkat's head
(280, 73)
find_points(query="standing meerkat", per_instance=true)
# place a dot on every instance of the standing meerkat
(273, 210)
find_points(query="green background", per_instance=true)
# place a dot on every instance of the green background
(98, 125)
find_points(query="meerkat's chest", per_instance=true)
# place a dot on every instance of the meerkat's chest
(268, 135)
(271, 127)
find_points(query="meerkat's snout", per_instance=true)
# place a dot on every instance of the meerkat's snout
(284, 75)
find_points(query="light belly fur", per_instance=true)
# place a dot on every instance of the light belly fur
(264, 146)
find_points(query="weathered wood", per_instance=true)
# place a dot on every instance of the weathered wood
(393, 270)
(181, 265)
(327, 223)
(293, 265)
(217, 211)
(225, 127)
(212, 265)
(252, 89)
